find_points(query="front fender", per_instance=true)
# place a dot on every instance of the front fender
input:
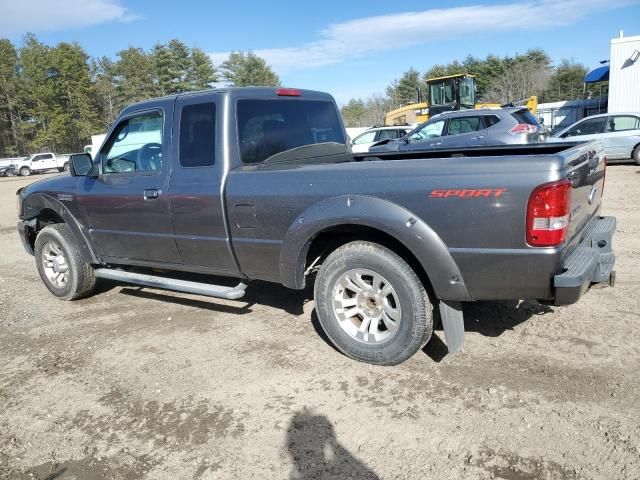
(383, 215)
(34, 204)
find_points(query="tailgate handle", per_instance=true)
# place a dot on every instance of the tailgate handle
(150, 194)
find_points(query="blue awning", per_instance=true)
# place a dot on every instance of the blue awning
(600, 74)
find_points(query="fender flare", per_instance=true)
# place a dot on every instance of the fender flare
(407, 228)
(34, 204)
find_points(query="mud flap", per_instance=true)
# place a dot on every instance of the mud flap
(453, 324)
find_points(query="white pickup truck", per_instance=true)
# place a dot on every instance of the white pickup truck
(42, 162)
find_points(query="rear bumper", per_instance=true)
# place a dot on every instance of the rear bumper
(592, 261)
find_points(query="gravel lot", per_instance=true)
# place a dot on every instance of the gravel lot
(138, 383)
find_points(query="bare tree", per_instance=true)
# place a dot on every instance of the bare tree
(520, 81)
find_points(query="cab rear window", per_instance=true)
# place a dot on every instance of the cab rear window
(269, 127)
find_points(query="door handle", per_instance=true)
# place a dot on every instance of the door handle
(435, 144)
(150, 194)
(479, 137)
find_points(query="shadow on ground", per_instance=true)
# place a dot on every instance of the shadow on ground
(316, 453)
(263, 293)
(490, 319)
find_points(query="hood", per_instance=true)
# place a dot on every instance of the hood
(59, 183)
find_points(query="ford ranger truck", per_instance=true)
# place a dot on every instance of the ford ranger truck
(260, 184)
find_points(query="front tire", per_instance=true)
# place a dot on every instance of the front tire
(60, 264)
(636, 155)
(25, 171)
(372, 305)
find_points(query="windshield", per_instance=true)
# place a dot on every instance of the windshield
(269, 127)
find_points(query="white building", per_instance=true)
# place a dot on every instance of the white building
(624, 75)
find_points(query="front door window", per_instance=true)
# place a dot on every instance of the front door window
(135, 145)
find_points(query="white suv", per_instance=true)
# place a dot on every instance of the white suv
(362, 142)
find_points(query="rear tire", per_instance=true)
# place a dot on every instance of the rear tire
(372, 305)
(636, 155)
(25, 171)
(60, 264)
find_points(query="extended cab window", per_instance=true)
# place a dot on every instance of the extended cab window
(271, 127)
(464, 125)
(197, 135)
(135, 145)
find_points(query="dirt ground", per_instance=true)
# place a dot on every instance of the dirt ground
(137, 383)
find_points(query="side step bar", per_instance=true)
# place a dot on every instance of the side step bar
(198, 288)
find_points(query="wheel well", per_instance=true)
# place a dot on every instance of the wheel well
(329, 239)
(46, 217)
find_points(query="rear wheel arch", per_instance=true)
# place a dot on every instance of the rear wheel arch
(333, 222)
(635, 154)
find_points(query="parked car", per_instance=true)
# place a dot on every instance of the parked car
(8, 170)
(470, 128)
(42, 162)
(618, 132)
(362, 142)
(277, 196)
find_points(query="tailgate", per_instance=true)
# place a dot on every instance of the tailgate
(585, 168)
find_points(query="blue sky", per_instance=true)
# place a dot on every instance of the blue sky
(351, 49)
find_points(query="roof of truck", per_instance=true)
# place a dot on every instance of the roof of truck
(266, 91)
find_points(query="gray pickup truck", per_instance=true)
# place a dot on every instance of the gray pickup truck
(260, 184)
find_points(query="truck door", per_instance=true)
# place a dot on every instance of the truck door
(196, 188)
(126, 206)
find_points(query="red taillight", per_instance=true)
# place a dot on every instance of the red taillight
(288, 92)
(548, 214)
(524, 128)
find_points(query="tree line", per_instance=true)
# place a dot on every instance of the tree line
(499, 80)
(53, 98)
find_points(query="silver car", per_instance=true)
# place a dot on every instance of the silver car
(470, 128)
(618, 132)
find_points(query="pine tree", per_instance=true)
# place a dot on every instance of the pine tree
(11, 138)
(200, 73)
(243, 70)
(134, 76)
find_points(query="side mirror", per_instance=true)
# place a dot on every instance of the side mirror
(541, 120)
(80, 164)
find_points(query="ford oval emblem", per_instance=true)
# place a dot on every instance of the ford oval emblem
(592, 194)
